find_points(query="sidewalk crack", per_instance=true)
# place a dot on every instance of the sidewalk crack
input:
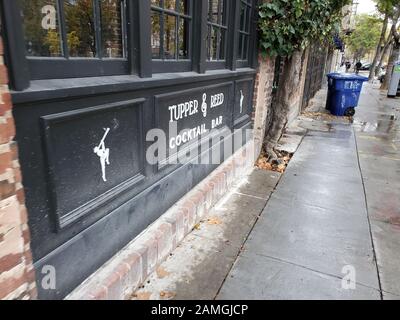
(315, 270)
(368, 216)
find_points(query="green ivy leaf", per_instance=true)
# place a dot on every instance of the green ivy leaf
(286, 25)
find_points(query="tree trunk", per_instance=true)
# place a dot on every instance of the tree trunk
(289, 83)
(389, 70)
(394, 56)
(329, 61)
(384, 53)
(378, 51)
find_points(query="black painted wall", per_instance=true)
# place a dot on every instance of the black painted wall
(78, 220)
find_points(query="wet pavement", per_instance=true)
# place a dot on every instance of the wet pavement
(377, 128)
(328, 228)
(197, 269)
(331, 230)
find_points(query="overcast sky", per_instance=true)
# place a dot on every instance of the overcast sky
(365, 6)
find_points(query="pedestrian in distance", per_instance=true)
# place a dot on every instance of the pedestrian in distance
(358, 67)
(348, 66)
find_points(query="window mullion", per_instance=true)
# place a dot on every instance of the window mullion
(209, 41)
(234, 26)
(141, 51)
(14, 42)
(253, 36)
(97, 28)
(219, 19)
(124, 29)
(218, 44)
(63, 28)
(200, 24)
(177, 37)
(162, 35)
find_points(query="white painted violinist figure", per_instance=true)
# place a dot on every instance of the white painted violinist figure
(104, 154)
(241, 101)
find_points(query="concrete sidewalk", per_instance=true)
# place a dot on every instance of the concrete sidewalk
(336, 209)
(313, 227)
(377, 128)
(333, 215)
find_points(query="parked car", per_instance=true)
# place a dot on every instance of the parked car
(366, 67)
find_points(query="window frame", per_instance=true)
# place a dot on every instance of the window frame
(219, 63)
(174, 65)
(74, 67)
(248, 23)
(139, 63)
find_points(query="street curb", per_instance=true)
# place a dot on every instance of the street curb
(124, 273)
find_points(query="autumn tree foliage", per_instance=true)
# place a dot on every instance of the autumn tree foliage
(385, 9)
(366, 35)
(395, 41)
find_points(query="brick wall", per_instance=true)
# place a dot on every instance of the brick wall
(262, 99)
(16, 270)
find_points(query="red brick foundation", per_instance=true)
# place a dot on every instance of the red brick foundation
(126, 271)
(17, 278)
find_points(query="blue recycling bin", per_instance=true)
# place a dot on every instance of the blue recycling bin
(343, 93)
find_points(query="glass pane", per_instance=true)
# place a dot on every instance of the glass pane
(242, 16)
(112, 29)
(245, 47)
(155, 35)
(183, 6)
(222, 45)
(248, 19)
(79, 18)
(183, 39)
(239, 54)
(208, 42)
(213, 10)
(170, 4)
(169, 37)
(223, 13)
(214, 42)
(156, 3)
(41, 27)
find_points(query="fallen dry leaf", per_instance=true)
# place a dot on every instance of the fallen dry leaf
(162, 273)
(281, 168)
(142, 295)
(214, 221)
(262, 163)
(167, 295)
(322, 116)
(197, 226)
(267, 166)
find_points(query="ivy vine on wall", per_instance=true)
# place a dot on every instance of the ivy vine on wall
(289, 25)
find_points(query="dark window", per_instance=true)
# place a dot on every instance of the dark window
(55, 39)
(42, 28)
(112, 29)
(217, 30)
(170, 29)
(58, 32)
(246, 13)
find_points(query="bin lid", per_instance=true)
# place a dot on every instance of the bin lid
(346, 76)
